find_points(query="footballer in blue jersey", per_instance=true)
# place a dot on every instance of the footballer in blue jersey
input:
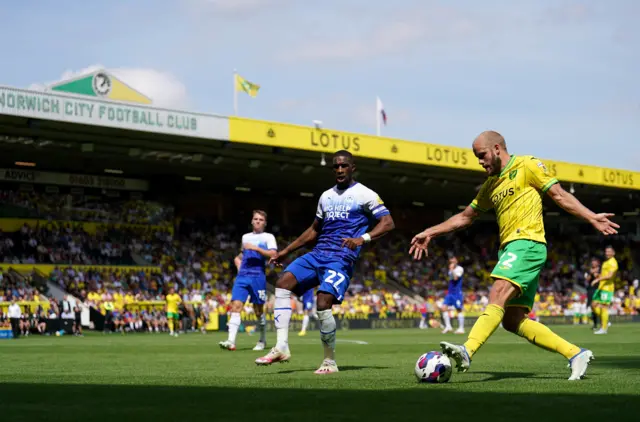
(308, 301)
(344, 215)
(251, 282)
(454, 300)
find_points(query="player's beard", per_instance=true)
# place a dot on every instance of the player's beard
(496, 165)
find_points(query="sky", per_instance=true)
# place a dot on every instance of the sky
(559, 79)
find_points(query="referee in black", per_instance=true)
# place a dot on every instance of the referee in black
(589, 276)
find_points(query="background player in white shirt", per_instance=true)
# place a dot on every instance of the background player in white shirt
(454, 300)
(257, 248)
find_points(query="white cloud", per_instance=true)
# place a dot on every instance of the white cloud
(445, 33)
(419, 27)
(164, 89)
(70, 74)
(66, 75)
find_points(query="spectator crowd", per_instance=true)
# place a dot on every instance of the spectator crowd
(136, 252)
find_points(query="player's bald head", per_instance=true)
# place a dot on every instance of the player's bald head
(489, 139)
(491, 150)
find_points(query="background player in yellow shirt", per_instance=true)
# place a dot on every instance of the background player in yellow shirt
(173, 301)
(606, 282)
(514, 189)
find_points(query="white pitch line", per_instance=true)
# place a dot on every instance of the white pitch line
(308, 341)
(351, 341)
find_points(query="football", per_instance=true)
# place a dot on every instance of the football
(433, 367)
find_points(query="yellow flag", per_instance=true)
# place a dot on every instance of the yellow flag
(244, 85)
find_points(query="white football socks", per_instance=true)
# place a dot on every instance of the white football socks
(234, 324)
(328, 333)
(262, 326)
(281, 317)
(447, 320)
(305, 322)
(461, 320)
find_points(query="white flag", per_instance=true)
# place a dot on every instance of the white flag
(381, 114)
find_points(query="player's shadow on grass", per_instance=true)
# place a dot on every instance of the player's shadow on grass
(498, 376)
(342, 369)
(623, 362)
(122, 403)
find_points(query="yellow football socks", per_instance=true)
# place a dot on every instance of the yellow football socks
(604, 317)
(542, 336)
(597, 311)
(483, 328)
(170, 325)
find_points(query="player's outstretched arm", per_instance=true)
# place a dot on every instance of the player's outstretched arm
(306, 237)
(420, 242)
(570, 204)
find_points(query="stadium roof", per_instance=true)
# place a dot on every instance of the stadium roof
(81, 133)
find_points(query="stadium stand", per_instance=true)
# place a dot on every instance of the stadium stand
(123, 269)
(97, 208)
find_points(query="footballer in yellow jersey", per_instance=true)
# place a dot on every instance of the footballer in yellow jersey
(514, 189)
(603, 296)
(173, 302)
(515, 194)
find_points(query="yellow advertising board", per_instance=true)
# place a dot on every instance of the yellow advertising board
(325, 140)
(47, 269)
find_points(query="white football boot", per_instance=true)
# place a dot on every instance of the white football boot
(274, 356)
(579, 364)
(260, 346)
(458, 354)
(227, 345)
(328, 367)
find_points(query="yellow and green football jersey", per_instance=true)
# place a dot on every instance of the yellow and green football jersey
(516, 196)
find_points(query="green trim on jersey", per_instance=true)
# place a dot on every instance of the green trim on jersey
(509, 164)
(550, 183)
(475, 207)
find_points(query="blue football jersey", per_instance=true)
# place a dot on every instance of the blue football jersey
(344, 214)
(253, 263)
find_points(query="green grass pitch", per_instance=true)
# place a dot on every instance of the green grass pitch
(154, 377)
